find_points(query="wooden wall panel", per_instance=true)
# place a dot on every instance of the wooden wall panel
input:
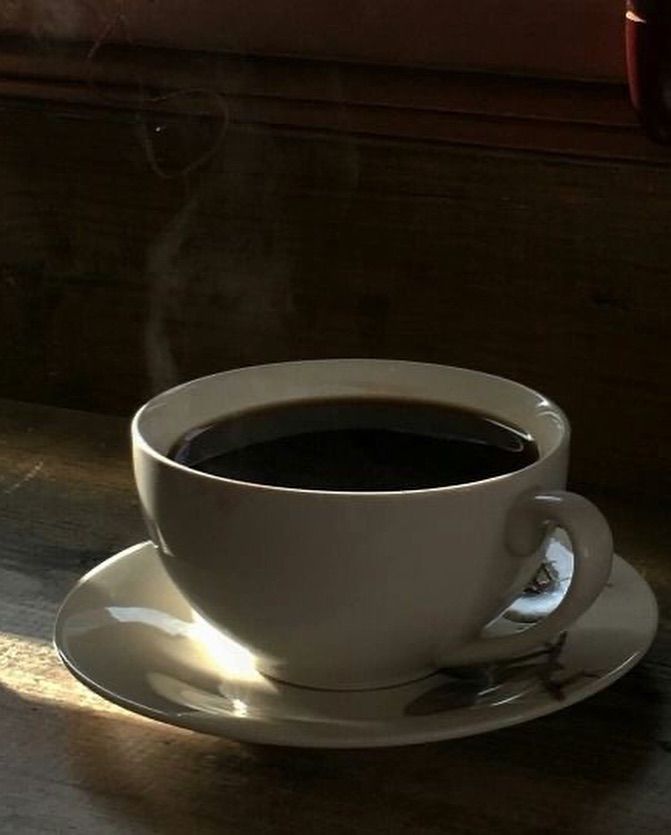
(574, 38)
(116, 282)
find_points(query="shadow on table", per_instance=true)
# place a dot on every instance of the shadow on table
(595, 767)
(601, 766)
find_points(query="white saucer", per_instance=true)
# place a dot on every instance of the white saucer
(126, 632)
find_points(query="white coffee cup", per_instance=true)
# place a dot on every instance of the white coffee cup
(340, 589)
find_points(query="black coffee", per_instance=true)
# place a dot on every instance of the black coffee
(357, 445)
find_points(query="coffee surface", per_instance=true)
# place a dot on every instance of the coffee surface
(356, 445)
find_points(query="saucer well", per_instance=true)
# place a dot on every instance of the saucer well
(127, 633)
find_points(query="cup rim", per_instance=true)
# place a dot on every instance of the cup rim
(139, 442)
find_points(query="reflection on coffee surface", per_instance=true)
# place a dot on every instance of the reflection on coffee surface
(364, 444)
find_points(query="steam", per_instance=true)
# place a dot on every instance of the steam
(241, 286)
(166, 282)
(250, 277)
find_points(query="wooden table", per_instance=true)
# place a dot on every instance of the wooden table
(70, 762)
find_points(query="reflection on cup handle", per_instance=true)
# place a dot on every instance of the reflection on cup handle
(592, 544)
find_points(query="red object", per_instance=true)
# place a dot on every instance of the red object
(648, 39)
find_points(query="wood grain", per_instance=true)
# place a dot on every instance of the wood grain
(72, 763)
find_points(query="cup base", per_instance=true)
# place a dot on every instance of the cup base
(353, 687)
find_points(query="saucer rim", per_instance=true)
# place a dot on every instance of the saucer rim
(283, 732)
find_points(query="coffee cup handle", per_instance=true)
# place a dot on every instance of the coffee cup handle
(592, 545)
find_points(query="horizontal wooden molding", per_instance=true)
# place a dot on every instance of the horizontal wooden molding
(570, 38)
(588, 119)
